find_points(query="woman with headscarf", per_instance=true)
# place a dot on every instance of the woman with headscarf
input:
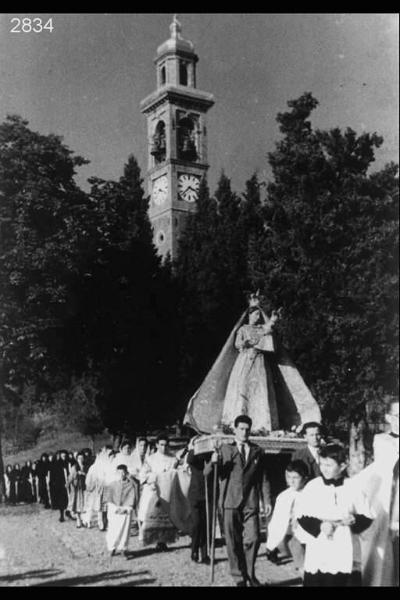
(58, 483)
(17, 482)
(42, 475)
(26, 494)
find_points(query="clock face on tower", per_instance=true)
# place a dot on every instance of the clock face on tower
(160, 190)
(188, 187)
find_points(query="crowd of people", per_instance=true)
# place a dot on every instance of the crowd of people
(47, 479)
(319, 519)
(71, 482)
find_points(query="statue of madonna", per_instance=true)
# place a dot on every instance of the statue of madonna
(250, 390)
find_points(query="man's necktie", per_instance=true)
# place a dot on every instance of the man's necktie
(243, 453)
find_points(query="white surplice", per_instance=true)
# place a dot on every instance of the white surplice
(341, 552)
(157, 476)
(121, 496)
(283, 520)
(377, 483)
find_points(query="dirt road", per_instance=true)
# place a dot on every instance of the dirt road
(37, 550)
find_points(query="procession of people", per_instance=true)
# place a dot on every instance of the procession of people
(339, 530)
(331, 525)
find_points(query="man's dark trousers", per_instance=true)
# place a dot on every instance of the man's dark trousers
(199, 528)
(242, 541)
(243, 486)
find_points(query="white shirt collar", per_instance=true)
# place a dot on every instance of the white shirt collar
(246, 447)
(314, 452)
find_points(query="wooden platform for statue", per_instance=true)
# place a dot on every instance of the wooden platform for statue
(271, 444)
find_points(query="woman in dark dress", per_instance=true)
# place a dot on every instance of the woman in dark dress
(88, 458)
(59, 472)
(42, 473)
(26, 494)
(17, 479)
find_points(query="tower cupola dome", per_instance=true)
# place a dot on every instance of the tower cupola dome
(176, 44)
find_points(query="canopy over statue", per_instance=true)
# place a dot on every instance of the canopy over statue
(252, 375)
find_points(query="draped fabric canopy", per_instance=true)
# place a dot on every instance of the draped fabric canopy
(296, 405)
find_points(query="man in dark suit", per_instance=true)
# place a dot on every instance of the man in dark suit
(310, 455)
(243, 485)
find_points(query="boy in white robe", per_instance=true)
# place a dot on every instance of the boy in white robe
(333, 511)
(121, 502)
(283, 530)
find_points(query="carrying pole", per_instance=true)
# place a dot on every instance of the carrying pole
(207, 514)
(214, 520)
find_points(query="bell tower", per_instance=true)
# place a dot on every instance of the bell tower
(176, 140)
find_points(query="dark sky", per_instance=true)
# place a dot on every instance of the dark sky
(86, 78)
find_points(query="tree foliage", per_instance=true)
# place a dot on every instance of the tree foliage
(329, 257)
(38, 200)
(87, 305)
(323, 245)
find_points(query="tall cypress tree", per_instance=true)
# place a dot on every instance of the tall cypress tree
(251, 229)
(200, 288)
(232, 261)
(132, 188)
(120, 320)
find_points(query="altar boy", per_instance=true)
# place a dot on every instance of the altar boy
(283, 529)
(333, 511)
(121, 501)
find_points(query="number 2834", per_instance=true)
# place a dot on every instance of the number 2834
(27, 25)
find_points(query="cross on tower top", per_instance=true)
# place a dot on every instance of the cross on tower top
(175, 28)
